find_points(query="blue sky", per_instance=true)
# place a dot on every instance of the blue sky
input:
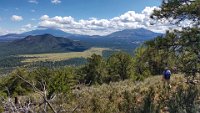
(25, 15)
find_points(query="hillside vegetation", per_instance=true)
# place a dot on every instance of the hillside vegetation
(149, 96)
(120, 83)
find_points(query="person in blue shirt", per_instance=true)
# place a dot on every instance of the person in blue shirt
(166, 76)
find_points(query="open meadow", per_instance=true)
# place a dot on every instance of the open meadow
(62, 56)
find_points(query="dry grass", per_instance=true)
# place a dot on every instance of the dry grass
(62, 56)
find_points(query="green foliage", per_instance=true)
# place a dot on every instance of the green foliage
(13, 85)
(185, 43)
(62, 80)
(54, 80)
(153, 57)
(189, 51)
(179, 10)
(11, 61)
(120, 65)
(95, 70)
(177, 50)
(141, 69)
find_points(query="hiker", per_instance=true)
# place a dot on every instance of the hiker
(166, 76)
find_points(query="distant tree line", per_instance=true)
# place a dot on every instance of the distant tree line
(11, 61)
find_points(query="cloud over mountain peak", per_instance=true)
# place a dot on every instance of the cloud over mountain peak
(94, 26)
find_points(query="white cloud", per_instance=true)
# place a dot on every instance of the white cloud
(55, 1)
(149, 10)
(27, 27)
(8, 31)
(44, 17)
(24, 28)
(33, 1)
(94, 26)
(16, 18)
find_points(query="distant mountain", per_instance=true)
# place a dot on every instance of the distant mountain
(54, 32)
(134, 34)
(127, 40)
(10, 37)
(43, 44)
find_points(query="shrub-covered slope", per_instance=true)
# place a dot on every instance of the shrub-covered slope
(149, 96)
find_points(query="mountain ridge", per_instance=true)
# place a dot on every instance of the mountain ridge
(43, 44)
(126, 40)
(139, 32)
(54, 32)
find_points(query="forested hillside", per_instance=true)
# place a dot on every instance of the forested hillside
(45, 43)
